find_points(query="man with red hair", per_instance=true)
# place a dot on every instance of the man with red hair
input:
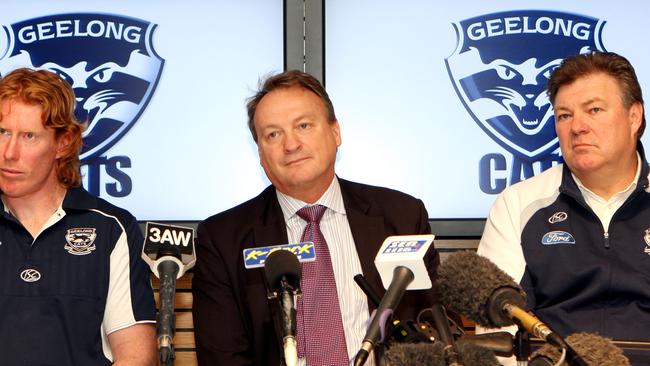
(73, 289)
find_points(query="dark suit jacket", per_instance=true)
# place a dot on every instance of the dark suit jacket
(233, 323)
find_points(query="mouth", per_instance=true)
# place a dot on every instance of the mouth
(296, 161)
(581, 146)
(10, 172)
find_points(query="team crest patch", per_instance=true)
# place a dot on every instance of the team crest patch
(500, 69)
(80, 241)
(646, 237)
(108, 59)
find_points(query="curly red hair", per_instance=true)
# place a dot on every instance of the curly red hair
(57, 100)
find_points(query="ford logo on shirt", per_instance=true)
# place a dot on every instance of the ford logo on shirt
(558, 237)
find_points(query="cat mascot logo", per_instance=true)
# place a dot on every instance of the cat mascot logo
(500, 69)
(110, 62)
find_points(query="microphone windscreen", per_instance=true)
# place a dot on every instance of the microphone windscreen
(594, 349)
(282, 263)
(474, 355)
(414, 354)
(419, 354)
(466, 281)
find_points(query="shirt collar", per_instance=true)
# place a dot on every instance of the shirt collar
(332, 199)
(625, 192)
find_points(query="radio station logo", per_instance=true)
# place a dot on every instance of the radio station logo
(109, 61)
(404, 246)
(256, 257)
(500, 69)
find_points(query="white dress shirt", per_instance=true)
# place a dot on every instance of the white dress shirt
(345, 260)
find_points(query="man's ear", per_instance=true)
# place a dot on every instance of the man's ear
(63, 143)
(635, 115)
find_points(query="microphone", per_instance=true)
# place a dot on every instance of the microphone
(498, 342)
(441, 323)
(594, 349)
(367, 289)
(418, 354)
(282, 271)
(401, 256)
(169, 252)
(474, 286)
(407, 331)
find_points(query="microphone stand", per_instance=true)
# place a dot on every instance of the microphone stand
(286, 298)
(522, 346)
(165, 324)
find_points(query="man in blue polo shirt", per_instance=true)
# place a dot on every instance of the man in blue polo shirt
(73, 289)
(577, 237)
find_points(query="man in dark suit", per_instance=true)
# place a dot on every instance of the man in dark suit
(293, 123)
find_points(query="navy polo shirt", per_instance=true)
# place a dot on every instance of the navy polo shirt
(78, 280)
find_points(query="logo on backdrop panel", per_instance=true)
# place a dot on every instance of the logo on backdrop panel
(500, 69)
(113, 68)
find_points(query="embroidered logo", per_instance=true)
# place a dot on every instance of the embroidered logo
(558, 237)
(80, 241)
(30, 275)
(646, 237)
(557, 217)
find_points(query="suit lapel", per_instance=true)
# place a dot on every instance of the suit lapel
(270, 228)
(367, 231)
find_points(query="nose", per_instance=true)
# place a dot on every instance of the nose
(291, 142)
(11, 148)
(579, 124)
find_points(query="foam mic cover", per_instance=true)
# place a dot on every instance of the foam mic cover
(594, 349)
(282, 264)
(467, 282)
(419, 354)
(501, 343)
(415, 354)
(473, 355)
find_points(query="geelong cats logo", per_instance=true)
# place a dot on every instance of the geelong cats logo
(108, 59)
(500, 69)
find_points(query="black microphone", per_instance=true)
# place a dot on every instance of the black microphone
(367, 289)
(402, 276)
(441, 322)
(169, 252)
(282, 271)
(401, 331)
(474, 286)
(401, 255)
(594, 349)
(501, 343)
(418, 354)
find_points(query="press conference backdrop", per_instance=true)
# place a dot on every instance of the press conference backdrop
(439, 99)
(163, 85)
